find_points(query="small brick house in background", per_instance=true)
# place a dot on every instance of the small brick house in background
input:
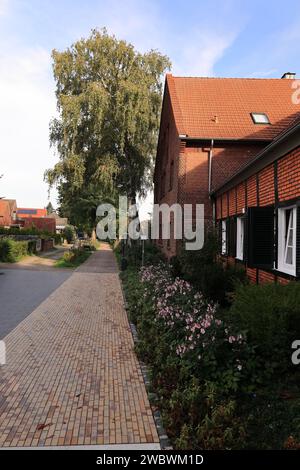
(11, 216)
(8, 212)
(210, 129)
(37, 218)
(40, 223)
(25, 213)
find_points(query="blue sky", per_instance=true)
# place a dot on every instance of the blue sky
(220, 38)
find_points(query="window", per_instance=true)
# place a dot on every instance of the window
(224, 237)
(260, 118)
(240, 230)
(287, 240)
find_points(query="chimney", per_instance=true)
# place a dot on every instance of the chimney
(290, 75)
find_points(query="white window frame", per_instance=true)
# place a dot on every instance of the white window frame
(224, 237)
(282, 241)
(240, 237)
(260, 118)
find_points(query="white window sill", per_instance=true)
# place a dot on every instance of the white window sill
(282, 269)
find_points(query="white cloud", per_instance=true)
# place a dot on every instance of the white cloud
(198, 53)
(192, 51)
(27, 105)
(3, 7)
(263, 73)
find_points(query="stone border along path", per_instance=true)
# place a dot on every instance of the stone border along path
(72, 377)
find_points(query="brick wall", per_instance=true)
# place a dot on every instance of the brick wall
(289, 176)
(44, 223)
(259, 190)
(167, 162)
(5, 214)
(229, 158)
(47, 245)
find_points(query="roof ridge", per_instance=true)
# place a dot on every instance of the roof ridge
(228, 78)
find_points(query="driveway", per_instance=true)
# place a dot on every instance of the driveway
(22, 290)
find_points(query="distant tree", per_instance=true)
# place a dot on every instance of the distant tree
(68, 233)
(109, 100)
(49, 208)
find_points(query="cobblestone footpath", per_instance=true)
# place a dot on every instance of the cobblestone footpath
(72, 377)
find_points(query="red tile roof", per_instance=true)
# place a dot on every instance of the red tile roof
(219, 108)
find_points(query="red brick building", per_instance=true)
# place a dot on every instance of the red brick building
(211, 128)
(11, 216)
(258, 212)
(24, 213)
(37, 218)
(8, 212)
(47, 224)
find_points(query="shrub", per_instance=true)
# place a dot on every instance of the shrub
(202, 269)
(218, 384)
(73, 258)
(29, 231)
(69, 233)
(11, 251)
(57, 238)
(31, 247)
(269, 314)
(188, 347)
(133, 253)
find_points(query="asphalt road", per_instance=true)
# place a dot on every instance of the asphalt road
(21, 291)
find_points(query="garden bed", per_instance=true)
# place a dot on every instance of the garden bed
(223, 376)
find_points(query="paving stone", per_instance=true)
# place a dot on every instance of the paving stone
(72, 376)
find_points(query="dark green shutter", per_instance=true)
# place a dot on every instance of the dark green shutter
(298, 243)
(232, 237)
(261, 237)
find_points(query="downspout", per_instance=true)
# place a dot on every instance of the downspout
(210, 157)
(210, 165)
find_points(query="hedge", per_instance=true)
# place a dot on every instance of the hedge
(31, 231)
(12, 251)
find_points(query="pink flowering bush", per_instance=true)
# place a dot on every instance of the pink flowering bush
(212, 369)
(192, 326)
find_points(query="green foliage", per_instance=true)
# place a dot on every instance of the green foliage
(57, 238)
(44, 234)
(169, 314)
(73, 258)
(214, 423)
(227, 391)
(69, 233)
(270, 315)
(12, 251)
(50, 208)
(210, 277)
(109, 100)
(133, 253)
